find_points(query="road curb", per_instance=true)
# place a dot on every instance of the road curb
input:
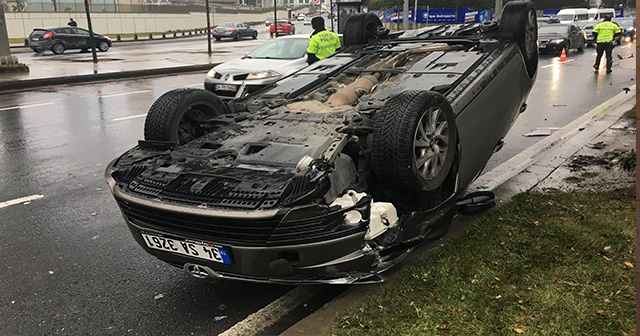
(536, 163)
(28, 84)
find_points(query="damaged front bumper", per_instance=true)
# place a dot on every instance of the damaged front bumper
(303, 245)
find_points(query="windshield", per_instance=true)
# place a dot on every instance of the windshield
(625, 22)
(286, 48)
(552, 29)
(565, 17)
(227, 24)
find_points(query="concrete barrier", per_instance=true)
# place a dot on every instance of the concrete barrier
(20, 24)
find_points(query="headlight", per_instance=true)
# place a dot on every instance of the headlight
(263, 74)
(211, 73)
(557, 41)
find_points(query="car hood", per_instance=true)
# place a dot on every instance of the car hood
(247, 65)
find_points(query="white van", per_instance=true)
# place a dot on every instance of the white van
(570, 15)
(597, 14)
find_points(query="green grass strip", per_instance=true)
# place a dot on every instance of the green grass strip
(558, 264)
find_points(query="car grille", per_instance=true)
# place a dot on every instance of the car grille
(220, 230)
(240, 77)
(242, 232)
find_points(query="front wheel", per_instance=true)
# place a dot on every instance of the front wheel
(414, 141)
(179, 115)
(255, 35)
(103, 46)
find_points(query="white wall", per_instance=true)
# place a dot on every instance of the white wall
(20, 25)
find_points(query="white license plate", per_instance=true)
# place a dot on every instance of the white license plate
(204, 251)
(542, 46)
(226, 87)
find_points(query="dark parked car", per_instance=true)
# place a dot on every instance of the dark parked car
(553, 37)
(591, 39)
(336, 172)
(628, 26)
(59, 39)
(234, 30)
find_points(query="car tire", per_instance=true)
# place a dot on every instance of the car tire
(236, 37)
(581, 46)
(178, 115)
(361, 28)
(36, 50)
(413, 127)
(58, 48)
(103, 46)
(255, 35)
(218, 38)
(519, 19)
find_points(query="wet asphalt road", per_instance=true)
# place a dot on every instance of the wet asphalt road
(69, 265)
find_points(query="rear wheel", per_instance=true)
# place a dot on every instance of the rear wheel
(255, 35)
(58, 49)
(519, 19)
(179, 115)
(414, 141)
(218, 38)
(362, 28)
(236, 36)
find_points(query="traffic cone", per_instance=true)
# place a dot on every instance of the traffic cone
(563, 55)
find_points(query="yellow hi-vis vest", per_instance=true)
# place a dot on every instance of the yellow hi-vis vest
(605, 31)
(323, 44)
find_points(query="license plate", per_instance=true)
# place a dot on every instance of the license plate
(35, 39)
(542, 46)
(226, 87)
(201, 250)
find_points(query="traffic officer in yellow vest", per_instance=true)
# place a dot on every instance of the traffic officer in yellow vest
(322, 43)
(604, 33)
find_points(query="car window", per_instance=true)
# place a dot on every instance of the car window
(239, 25)
(552, 29)
(565, 17)
(226, 24)
(81, 31)
(63, 31)
(286, 48)
(625, 22)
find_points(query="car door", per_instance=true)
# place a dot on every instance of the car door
(574, 33)
(66, 36)
(82, 38)
(242, 30)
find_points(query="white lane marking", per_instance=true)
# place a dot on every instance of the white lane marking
(20, 200)
(271, 313)
(25, 106)
(131, 117)
(124, 93)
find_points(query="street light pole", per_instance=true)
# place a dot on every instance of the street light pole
(405, 15)
(208, 27)
(92, 39)
(498, 9)
(275, 19)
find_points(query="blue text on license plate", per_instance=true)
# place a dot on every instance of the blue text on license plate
(204, 251)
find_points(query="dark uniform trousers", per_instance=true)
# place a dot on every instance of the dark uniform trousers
(604, 47)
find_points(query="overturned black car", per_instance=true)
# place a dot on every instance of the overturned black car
(335, 173)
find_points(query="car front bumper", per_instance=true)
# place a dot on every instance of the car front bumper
(551, 47)
(228, 89)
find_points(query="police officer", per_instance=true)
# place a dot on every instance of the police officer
(604, 33)
(322, 43)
